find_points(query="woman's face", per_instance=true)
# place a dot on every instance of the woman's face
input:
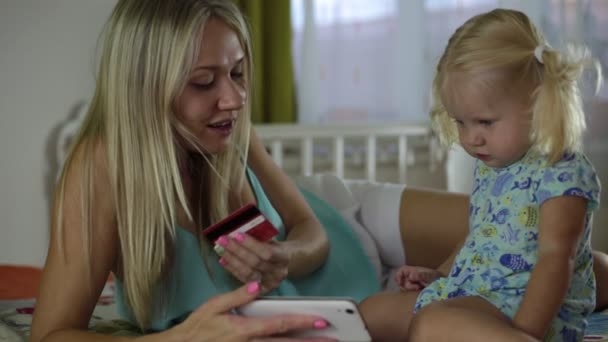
(215, 90)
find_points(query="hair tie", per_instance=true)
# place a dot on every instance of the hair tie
(538, 52)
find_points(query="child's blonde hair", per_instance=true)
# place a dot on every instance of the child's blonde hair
(505, 41)
(148, 51)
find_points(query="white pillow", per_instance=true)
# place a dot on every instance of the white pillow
(335, 192)
(330, 188)
(351, 215)
(380, 207)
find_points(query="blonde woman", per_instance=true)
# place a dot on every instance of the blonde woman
(524, 272)
(167, 149)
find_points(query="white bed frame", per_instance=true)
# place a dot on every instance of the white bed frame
(289, 141)
(277, 136)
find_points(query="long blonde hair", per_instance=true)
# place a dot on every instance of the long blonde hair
(149, 47)
(504, 41)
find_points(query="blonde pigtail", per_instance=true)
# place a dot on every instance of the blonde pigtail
(558, 116)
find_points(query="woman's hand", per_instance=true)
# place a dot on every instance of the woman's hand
(415, 278)
(251, 260)
(213, 321)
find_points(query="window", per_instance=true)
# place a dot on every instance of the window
(360, 60)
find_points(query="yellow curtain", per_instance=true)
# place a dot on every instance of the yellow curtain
(270, 23)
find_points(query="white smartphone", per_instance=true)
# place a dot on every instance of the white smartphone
(345, 322)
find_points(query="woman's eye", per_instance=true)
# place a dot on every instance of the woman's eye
(237, 75)
(202, 86)
(486, 122)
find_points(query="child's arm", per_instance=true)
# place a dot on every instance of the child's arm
(415, 278)
(562, 220)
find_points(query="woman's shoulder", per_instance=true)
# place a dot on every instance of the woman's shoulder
(88, 155)
(86, 182)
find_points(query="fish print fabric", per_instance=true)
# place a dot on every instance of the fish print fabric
(501, 249)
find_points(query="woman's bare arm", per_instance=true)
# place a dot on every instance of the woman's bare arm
(70, 285)
(306, 239)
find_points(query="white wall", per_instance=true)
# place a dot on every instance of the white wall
(46, 66)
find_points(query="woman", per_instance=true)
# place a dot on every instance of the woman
(167, 149)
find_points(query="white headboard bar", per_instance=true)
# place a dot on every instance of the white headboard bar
(290, 131)
(274, 136)
(339, 156)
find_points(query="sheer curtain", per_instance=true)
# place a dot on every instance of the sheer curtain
(360, 60)
(347, 61)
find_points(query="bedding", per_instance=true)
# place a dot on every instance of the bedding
(18, 287)
(16, 317)
(15, 322)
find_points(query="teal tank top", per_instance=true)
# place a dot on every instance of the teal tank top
(191, 282)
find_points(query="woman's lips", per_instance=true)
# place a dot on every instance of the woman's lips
(223, 128)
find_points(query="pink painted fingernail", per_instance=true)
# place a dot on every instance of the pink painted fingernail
(320, 324)
(223, 262)
(253, 287)
(240, 237)
(222, 241)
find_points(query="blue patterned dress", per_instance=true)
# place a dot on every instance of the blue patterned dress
(501, 249)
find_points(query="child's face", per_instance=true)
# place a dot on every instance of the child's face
(493, 126)
(216, 89)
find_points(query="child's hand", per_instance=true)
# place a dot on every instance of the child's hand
(415, 278)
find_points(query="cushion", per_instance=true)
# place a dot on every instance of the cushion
(19, 282)
(335, 192)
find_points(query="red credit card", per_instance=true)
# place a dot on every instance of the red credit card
(248, 219)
